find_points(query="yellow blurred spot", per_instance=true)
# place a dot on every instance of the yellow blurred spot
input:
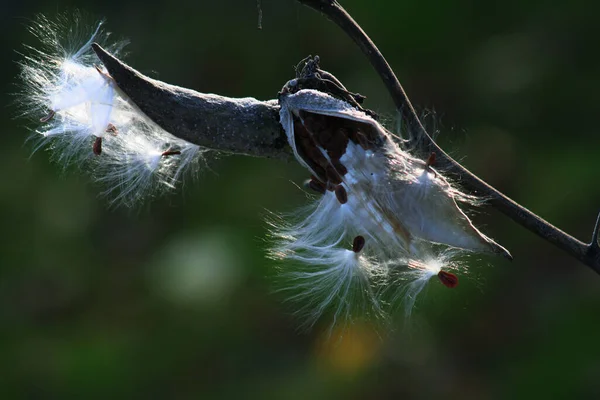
(348, 350)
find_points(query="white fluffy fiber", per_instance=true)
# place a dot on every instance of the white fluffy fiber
(87, 121)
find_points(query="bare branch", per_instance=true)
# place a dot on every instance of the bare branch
(594, 245)
(243, 126)
(589, 254)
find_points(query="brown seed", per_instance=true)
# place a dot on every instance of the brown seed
(336, 147)
(333, 175)
(300, 130)
(341, 194)
(430, 161)
(316, 155)
(323, 138)
(171, 153)
(363, 141)
(339, 167)
(448, 279)
(308, 151)
(104, 74)
(112, 129)
(358, 244)
(315, 185)
(314, 123)
(97, 146)
(316, 168)
(48, 117)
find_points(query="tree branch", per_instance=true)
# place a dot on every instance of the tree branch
(243, 126)
(589, 254)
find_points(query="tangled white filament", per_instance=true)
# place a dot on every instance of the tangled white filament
(89, 122)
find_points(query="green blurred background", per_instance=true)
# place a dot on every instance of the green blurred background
(173, 299)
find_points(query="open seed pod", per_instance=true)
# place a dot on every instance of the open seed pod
(405, 211)
(340, 144)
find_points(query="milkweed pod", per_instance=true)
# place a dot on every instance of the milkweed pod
(361, 154)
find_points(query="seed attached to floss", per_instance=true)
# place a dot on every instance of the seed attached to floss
(358, 244)
(333, 175)
(171, 153)
(341, 195)
(448, 279)
(430, 161)
(112, 129)
(97, 146)
(48, 117)
(104, 74)
(315, 185)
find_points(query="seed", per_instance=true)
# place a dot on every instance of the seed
(430, 161)
(112, 129)
(97, 146)
(171, 153)
(333, 175)
(448, 279)
(48, 117)
(339, 167)
(341, 194)
(362, 140)
(105, 75)
(315, 185)
(358, 244)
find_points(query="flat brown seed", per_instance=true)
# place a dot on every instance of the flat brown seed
(105, 75)
(363, 141)
(341, 195)
(112, 129)
(337, 145)
(48, 117)
(339, 167)
(333, 175)
(448, 279)
(358, 244)
(430, 161)
(314, 123)
(315, 185)
(97, 146)
(300, 130)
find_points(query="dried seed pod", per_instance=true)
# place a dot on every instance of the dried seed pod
(409, 212)
(388, 179)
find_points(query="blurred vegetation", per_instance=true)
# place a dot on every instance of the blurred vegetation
(173, 300)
